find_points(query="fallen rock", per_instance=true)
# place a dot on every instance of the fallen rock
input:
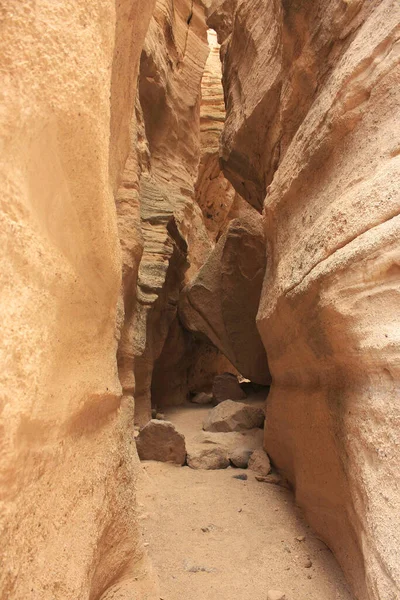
(239, 457)
(275, 595)
(159, 440)
(202, 398)
(227, 387)
(259, 462)
(241, 477)
(274, 479)
(233, 416)
(209, 458)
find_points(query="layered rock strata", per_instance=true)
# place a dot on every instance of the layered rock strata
(312, 99)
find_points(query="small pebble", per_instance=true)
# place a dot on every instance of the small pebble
(242, 476)
(308, 564)
(301, 538)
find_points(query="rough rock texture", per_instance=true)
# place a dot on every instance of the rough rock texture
(208, 457)
(233, 416)
(227, 387)
(222, 300)
(211, 448)
(312, 93)
(175, 239)
(259, 462)
(67, 465)
(159, 440)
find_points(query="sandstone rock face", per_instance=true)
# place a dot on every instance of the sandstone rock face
(159, 440)
(312, 125)
(68, 525)
(222, 300)
(226, 387)
(174, 238)
(214, 193)
(233, 416)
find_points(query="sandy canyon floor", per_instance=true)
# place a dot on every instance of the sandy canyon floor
(212, 536)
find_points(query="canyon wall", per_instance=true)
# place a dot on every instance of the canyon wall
(68, 461)
(312, 94)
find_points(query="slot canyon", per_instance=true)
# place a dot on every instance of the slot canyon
(200, 299)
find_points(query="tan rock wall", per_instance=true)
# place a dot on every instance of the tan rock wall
(313, 123)
(68, 526)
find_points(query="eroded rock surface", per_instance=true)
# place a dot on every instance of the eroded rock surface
(233, 416)
(222, 300)
(312, 109)
(67, 517)
(159, 440)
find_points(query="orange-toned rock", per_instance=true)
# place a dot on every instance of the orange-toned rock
(67, 463)
(222, 300)
(311, 126)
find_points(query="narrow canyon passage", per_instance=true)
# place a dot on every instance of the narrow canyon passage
(199, 300)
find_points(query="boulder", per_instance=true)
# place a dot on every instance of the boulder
(227, 387)
(159, 440)
(202, 398)
(208, 457)
(239, 457)
(259, 462)
(233, 416)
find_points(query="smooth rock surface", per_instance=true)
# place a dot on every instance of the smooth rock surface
(233, 416)
(67, 464)
(159, 440)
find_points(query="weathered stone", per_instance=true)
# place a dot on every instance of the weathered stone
(159, 440)
(67, 471)
(226, 387)
(239, 457)
(259, 462)
(233, 416)
(202, 398)
(313, 136)
(222, 300)
(207, 457)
